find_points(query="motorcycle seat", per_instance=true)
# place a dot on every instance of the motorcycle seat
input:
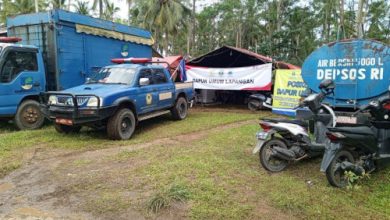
(292, 121)
(364, 130)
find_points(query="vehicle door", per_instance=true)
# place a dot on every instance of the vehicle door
(147, 98)
(20, 76)
(165, 88)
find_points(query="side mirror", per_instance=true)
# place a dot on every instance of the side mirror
(88, 80)
(144, 82)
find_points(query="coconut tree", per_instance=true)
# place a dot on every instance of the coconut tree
(129, 2)
(21, 6)
(81, 7)
(101, 5)
(58, 4)
(110, 11)
(163, 17)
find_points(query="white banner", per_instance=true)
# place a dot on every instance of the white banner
(243, 78)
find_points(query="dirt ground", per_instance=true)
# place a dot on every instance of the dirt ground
(60, 184)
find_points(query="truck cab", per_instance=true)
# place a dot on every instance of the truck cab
(22, 79)
(117, 98)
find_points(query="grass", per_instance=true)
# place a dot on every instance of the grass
(226, 182)
(216, 176)
(107, 202)
(13, 143)
(163, 199)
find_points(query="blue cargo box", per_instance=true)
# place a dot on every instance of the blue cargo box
(74, 46)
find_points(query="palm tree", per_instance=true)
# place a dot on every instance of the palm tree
(129, 2)
(21, 6)
(165, 17)
(58, 4)
(100, 3)
(110, 10)
(81, 7)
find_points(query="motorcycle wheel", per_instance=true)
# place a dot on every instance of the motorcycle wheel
(270, 163)
(334, 173)
(254, 105)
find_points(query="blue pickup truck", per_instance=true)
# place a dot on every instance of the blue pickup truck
(117, 98)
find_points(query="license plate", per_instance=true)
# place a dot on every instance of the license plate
(64, 121)
(258, 146)
(346, 120)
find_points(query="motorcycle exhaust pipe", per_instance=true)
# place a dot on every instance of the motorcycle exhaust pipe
(348, 166)
(283, 154)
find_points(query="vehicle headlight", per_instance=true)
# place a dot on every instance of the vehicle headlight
(93, 102)
(52, 100)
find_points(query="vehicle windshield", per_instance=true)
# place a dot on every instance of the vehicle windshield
(113, 75)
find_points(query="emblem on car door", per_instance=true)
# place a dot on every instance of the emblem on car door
(149, 99)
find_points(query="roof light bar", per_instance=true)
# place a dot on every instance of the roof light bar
(131, 60)
(10, 39)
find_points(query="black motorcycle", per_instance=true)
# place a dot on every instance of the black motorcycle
(359, 149)
(283, 141)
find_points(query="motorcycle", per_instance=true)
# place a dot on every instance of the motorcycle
(359, 149)
(258, 101)
(283, 141)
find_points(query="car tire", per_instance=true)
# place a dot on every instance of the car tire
(180, 110)
(29, 116)
(121, 125)
(66, 129)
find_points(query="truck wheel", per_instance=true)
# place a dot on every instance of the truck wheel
(180, 110)
(66, 129)
(29, 116)
(121, 126)
(255, 105)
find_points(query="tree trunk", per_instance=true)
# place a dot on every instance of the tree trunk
(166, 43)
(100, 8)
(278, 15)
(191, 30)
(341, 26)
(36, 6)
(359, 19)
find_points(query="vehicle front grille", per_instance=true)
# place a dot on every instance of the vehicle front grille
(68, 100)
(81, 100)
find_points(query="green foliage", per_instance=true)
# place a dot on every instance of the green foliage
(164, 199)
(81, 7)
(353, 179)
(166, 19)
(282, 29)
(13, 144)
(215, 173)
